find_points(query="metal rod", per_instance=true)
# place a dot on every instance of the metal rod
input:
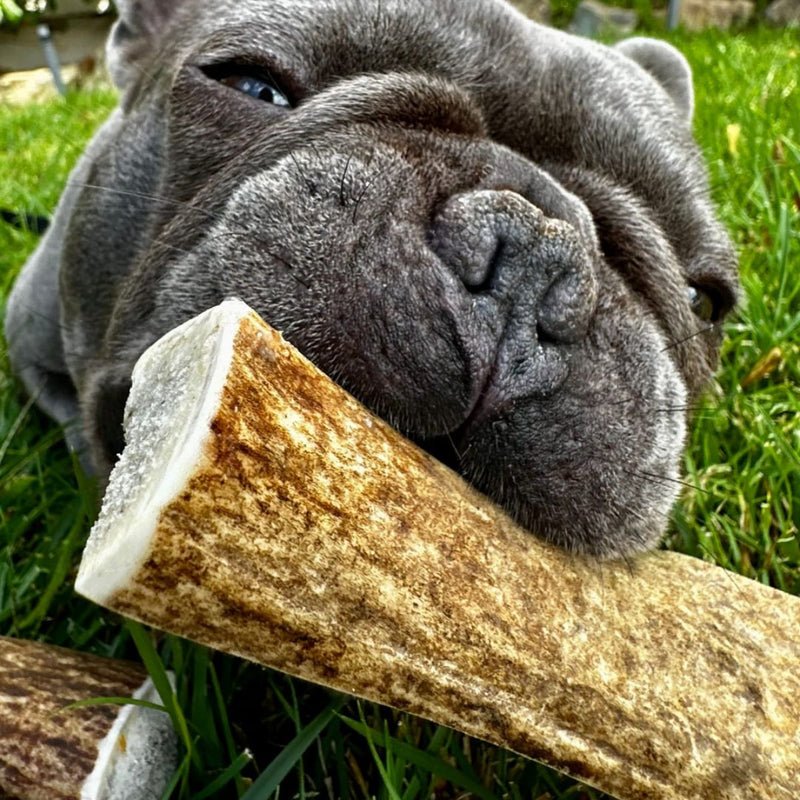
(51, 57)
(674, 14)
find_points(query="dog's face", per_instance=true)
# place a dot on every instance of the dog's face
(497, 236)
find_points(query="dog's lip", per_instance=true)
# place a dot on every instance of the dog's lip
(484, 401)
(449, 447)
(489, 400)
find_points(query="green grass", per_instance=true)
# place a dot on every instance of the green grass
(246, 730)
(745, 451)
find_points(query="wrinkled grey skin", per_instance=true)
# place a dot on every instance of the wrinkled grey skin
(482, 228)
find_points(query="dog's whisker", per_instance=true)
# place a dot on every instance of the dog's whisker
(287, 265)
(342, 199)
(705, 411)
(147, 196)
(310, 185)
(679, 342)
(361, 197)
(668, 479)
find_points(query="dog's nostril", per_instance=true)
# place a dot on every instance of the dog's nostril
(543, 335)
(480, 278)
(565, 308)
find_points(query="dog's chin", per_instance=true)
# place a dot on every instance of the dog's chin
(595, 515)
(593, 468)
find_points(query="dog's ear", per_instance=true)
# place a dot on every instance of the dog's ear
(135, 34)
(667, 66)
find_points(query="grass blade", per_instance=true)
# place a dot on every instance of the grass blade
(232, 772)
(421, 758)
(161, 681)
(269, 780)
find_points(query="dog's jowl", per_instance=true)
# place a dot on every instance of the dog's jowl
(495, 235)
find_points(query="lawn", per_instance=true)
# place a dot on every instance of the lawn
(246, 727)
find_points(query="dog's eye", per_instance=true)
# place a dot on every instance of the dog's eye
(704, 303)
(258, 88)
(249, 80)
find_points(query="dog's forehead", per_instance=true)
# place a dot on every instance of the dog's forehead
(484, 46)
(327, 40)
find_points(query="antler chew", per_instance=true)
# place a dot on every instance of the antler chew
(261, 510)
(98, 752)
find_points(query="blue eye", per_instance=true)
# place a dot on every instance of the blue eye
(258, 88)
(249, 79)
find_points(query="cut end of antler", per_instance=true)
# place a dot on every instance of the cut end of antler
(136, 758)
(175, 394)
(52, 746)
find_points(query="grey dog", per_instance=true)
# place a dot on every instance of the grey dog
(497, 236)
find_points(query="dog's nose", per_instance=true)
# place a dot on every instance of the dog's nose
(502, 246)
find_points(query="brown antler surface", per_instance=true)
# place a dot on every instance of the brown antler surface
(261, 510)
(98, 752)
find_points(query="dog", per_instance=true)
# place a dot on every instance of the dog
(494, 234)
